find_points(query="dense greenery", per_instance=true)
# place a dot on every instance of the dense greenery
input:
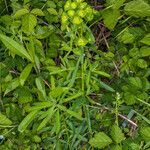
(74, 74)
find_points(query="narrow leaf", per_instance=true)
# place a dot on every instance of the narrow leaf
(15, 47)
(27, 120)
(25, 73)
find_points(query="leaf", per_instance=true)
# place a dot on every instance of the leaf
(57, 121)
(117, 134)
(25, 73)
(72, 97)
(40, 105)
(40, 85)
(20, 13)
(52, 11)
(129, 98)
(15, 47)
(137, 8)
(146, 40)
(135, 81)
(100, 140)
(12, 85)
(29, 21)
(145, 51)
(145, 133)
(4, 120)
(50, 113)
(142, 63)
(37, 12)
(58, 91)
(107, 87)
(111, 17)
(101, 73)
(116, 147)
(27, 120)
(115, 4)
(72, 113)
(24, 95)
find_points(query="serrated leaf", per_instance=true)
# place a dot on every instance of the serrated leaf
(115, 4)
(20, 13)
(116, 134)
(27, 120)
(100, 140)
(29, 21)
(146, 40)
(4, 120)
(25, 73)
(12, 85)
(111, 17)
(15, 47)
(37, 12)
(137, 8)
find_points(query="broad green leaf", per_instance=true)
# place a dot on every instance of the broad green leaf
(52, 11)
(111, 17)
(129, 98)
(4, 120)
(135, 81)
(142, 63)
(15, 47)
(29, 21)
(137, 8)
(135, 146)
(126, 37)
(116, 147)
(27, 120)
(72, 97)
(101, 73)
(145, 51)
(116, 134)
(100, 140)
(12, 85)
(50, 112)
(25, 73)
(37, 12)
(145, 133)
(146, 40)
(115, 4)
(40, 85)
(20, 13)
(58, 91)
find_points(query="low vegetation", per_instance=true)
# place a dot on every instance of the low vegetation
(74, 74)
